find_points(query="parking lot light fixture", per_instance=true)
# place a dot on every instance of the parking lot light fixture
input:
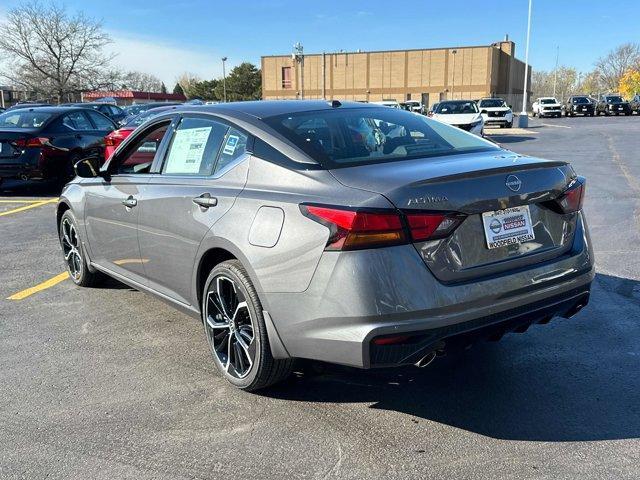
(523, 119)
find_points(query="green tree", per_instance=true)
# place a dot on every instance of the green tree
(244, 82)
(204, 89)
(163, 88)
(178, 89)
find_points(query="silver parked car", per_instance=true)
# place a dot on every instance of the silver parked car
(343, 232)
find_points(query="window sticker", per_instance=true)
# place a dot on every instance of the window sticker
(230, 146)
(187, 150)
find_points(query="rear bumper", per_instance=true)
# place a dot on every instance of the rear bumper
(357, 296)
(26, 166)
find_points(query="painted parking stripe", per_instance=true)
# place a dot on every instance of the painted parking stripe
(27, 207)
(21, 295)
(24, 201)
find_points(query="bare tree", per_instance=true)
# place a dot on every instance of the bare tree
(142, 82)
(53, 53)
(613, 66)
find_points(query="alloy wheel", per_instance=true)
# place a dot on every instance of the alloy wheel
(71, 249)
(230, 327)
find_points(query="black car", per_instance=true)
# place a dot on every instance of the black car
(44, 143)
(579, 105)
(635, 104)
(115, 113)
(613, 105)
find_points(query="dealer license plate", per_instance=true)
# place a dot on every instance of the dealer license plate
(508, 226)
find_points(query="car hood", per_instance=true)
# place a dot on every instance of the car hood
(456, 118)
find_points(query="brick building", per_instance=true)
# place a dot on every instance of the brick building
(429, 75)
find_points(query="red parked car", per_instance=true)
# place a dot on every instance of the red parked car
(116, 137)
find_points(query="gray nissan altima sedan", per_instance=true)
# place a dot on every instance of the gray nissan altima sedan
(342, 232)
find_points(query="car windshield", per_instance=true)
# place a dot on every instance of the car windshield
(363, 136)
(547, 101)
(492, 102)
(462, 106)
(23, 119)
(581, 100)
(614, 99)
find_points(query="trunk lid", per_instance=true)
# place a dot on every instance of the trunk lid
(472, 184)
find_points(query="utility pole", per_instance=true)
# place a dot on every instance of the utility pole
(224, 80)
(555, 72)
(523, 119)
(453, 75)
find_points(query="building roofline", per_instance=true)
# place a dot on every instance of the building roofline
(391, 51)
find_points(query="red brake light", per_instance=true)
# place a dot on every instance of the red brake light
(357, 229)
(35, 142)
(114, 139)
(572, 198)
(431, 226)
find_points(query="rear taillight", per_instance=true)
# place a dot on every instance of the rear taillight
(572, 198)
(113, 139)
(35, 142)
(431, 226)
(356, 229)
(353, 229)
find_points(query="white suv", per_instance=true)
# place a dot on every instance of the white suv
(547, 107)
(495, 111)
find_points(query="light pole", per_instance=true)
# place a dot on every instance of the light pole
(555, 72)
(523, 119)
(224, 80)
(298, 57)
(453, 75)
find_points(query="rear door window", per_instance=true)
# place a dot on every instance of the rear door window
(100, 121)
(77, 121)
(195, 146)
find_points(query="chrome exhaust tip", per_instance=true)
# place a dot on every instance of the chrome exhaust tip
(426, 360)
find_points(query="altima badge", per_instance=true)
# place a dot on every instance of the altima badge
(513, 183)
(427, 199)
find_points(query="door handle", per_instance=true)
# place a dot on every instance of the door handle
(206, 200)
(130, 202)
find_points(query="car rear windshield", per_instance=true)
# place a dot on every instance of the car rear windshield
(581, 100)
(491, 103)
(461, 106)
(23, 119)
(614, 99)
(548, 101)
(363, 136)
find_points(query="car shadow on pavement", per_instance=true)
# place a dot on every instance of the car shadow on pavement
(20, 188)
(571, 380)
(501, 139)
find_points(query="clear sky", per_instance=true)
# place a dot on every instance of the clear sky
(167, 38)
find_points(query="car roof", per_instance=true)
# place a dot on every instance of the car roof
(270, 108)
(56, 109)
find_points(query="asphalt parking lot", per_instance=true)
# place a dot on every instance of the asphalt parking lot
(110, 383)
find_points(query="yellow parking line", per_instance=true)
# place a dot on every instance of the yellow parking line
(25, 201)
(38, 288)
(27, 207)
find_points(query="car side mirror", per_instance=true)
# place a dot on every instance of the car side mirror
(511, 107)
(87, 168)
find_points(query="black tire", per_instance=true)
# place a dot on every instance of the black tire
(263, 370)
(510, 124)
(533, 114)
(73, 252)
